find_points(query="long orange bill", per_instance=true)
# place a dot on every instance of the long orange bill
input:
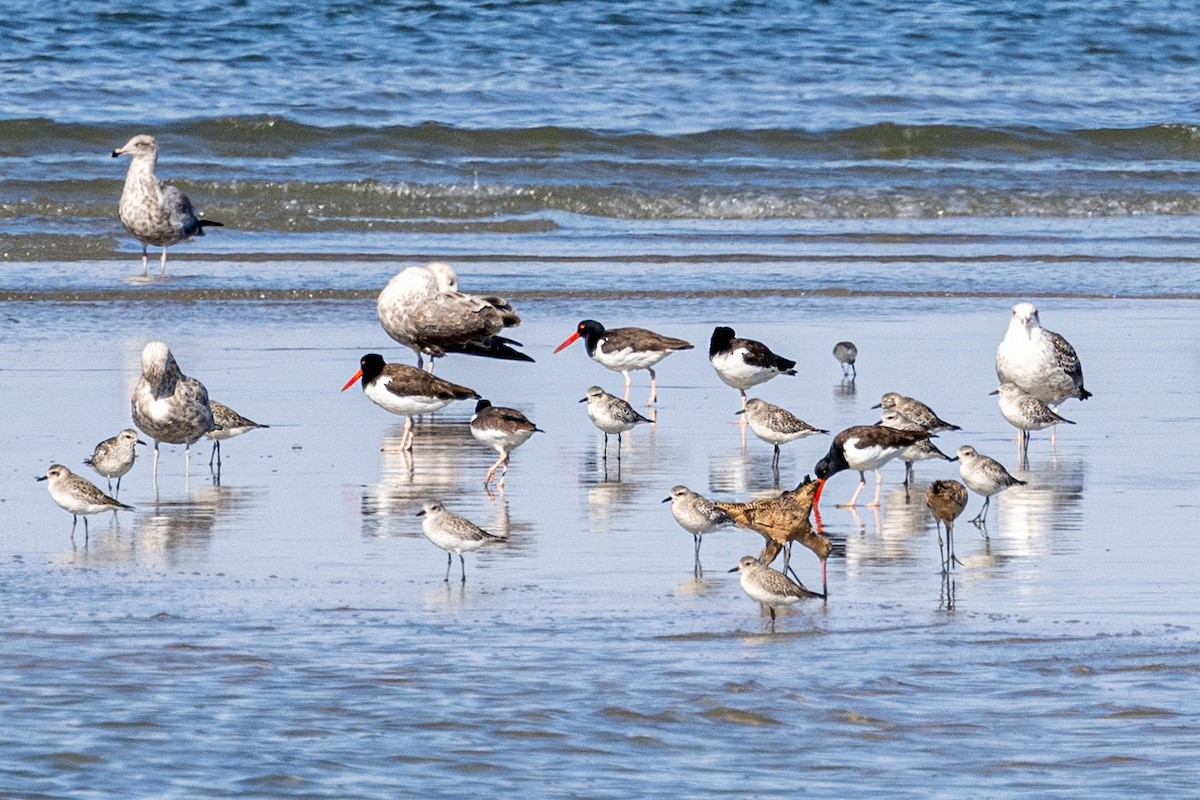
(352, 381)
(817, 496)
(570, 339)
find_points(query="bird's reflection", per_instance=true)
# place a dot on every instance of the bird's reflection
(845, 389)
(1045, 515)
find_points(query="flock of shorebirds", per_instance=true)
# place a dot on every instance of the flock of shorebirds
(423, 308)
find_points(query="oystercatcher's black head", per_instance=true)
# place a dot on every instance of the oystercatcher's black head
(482, 404)
(589, 330)
(370, 367)
(833, 463)
(721, 337)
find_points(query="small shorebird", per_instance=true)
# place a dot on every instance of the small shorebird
(156, 213)
(422, 308)
(743, 363)
(985, 476)
(916, 411)
(1025, 413)
(625, 350)
(406, 391)
(168, 406)
(113, 457)
(231, 424)
(924, 450)
(775, 425)
(611, 414)
(696, 514)
(863, 448)
(846, 354)
(1039, 361)
(769, 587)
(79, 496)
(946, 499)
(781, 520)
(454, 534)
(504, 430)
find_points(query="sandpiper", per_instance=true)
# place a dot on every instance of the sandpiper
(985, 476)
(406, 391)
(946, 499)
(863, 448)
(156, 213)
(454, 534)
(924, 450)
(1038, 360)
(114, 457)
(846, 354)
(611, 414)
(422, 308)
(168, 406)
(743, 363)
(231, 424)
(769, 586)
(504, 430)
(625, 350)
(775, 425)
(696, 514)
(916, 411)
(1025, 413)
(79, 496)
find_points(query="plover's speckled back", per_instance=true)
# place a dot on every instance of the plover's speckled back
(983, 475)
(1037, 360)
(114, 457)
(611, 414)
(78, 496)
(743, 363)
(229, 424)
(503, 429)
(769, 586)
(625, 350)
(1025, 413)
(915, 411)
(156, 213)
(846, 354)
(454, 534)
(168, 406)
(696, 514)
(406, 391)
(946, 499)
(422, 308)
(775, 425)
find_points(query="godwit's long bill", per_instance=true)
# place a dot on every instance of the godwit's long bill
(625, 350)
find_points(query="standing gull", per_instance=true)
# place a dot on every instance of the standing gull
(79, 496)
(625, 350)
(231, 424)
(985, 476)
(454, 534)
(743, 363)
(113, 457)
(846, 354)
(503, 429)
(406, 391)
(769, 587)
(155, 212)
(611, 414)
(168, 406)
(946, 499)
(422, 308)
(1025, 413)
(696, 514)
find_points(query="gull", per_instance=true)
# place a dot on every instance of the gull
(168, 406)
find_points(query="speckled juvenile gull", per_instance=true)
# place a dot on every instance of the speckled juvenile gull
(114, 457)
(79, 496)
(230, 424)
(611, 414)
(168, 406)
(1038, 360)
(454, 534)
(155, 212)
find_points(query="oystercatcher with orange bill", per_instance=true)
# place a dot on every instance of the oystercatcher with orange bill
(625, 350)
(863, 448)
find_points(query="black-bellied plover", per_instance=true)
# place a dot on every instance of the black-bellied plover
(611, 414)
(744, 363)
(168, 406)
(775, 425)
(924, 450)
(696, 514)
(915, 411)
(1038, 360)
(625, 350)
(770, 587)
(863, 448)
(983, 475)
(231, 424)
(78, 496)
(846, 354)
(406, 391)
(454, 534)
(156, 213)
(946, 499)
(422, 308)
(114, 457)
(504, 430)
(1025, 413)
